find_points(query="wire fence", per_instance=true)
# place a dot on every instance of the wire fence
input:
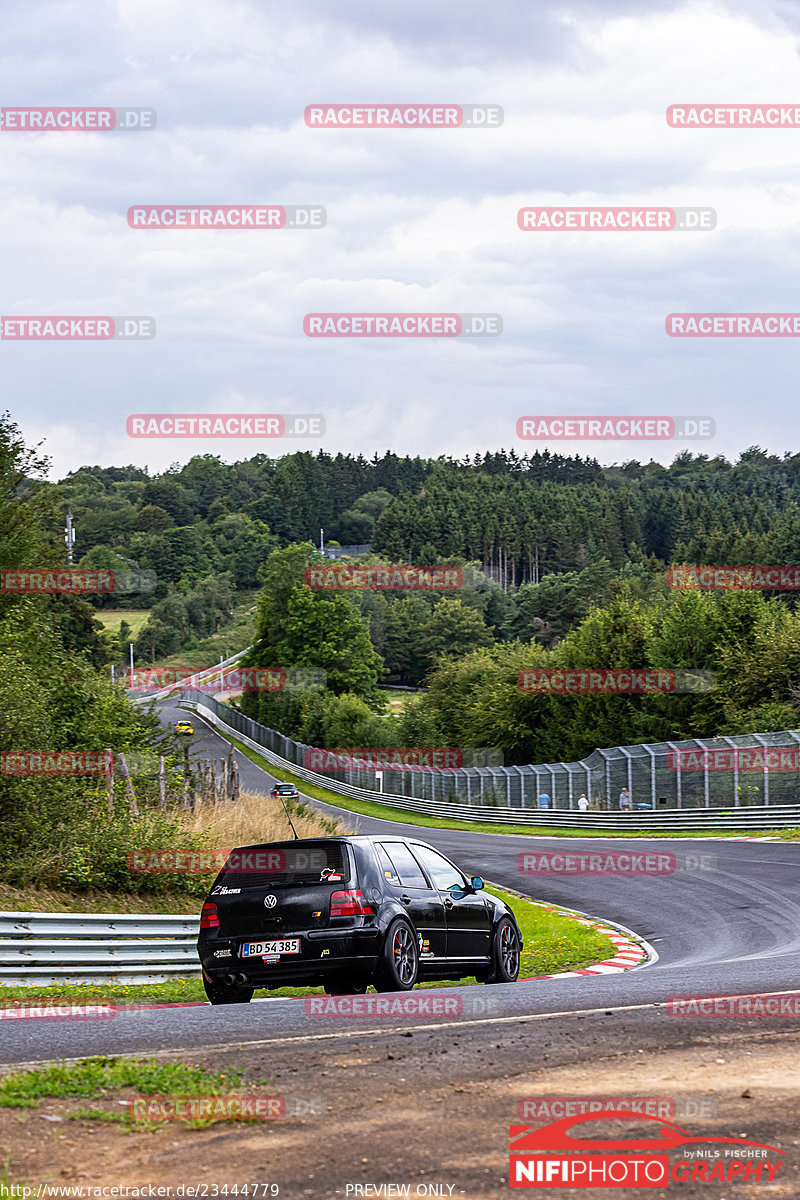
(748, 770)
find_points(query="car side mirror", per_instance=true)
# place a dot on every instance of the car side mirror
(476, 883)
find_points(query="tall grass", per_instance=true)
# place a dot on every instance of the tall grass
(91, 854)
(254, 818)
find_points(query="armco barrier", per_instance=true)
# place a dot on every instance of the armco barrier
(199, 677)
(41, 948)
(752, 817)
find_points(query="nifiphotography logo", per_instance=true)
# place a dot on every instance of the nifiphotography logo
(556, 1157)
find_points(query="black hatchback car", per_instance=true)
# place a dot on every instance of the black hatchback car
(347, 912)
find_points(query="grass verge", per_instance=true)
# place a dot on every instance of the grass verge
(551, 942)
(95, 1078)
(235, 636)
(385, 812)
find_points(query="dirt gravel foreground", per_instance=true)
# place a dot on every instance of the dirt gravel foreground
(431, 1111)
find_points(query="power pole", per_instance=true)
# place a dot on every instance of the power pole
(321, 543)
(69, 538)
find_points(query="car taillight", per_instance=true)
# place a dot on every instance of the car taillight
(350, 904)
(208, 917)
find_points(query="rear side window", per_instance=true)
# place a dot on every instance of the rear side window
(443, 873)
(300, 865)
(404, 865)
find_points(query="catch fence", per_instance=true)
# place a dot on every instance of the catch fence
(749, 771)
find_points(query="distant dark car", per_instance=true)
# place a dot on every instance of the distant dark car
(347, 912)
(287, 790)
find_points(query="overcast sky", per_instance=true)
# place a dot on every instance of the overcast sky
(418, 221)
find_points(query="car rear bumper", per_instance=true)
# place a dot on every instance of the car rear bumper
(323, 952)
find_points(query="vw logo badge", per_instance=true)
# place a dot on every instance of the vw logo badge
(270, 901)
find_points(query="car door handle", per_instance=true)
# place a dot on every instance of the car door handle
(448, 903)
(405, 899)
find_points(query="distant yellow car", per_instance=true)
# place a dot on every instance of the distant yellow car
(184, 727)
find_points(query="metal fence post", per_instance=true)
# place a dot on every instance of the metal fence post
(735, 748)
(629, 759)
(652, 754)
(765, 748)
(678, 790)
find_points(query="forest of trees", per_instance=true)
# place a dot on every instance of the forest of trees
(537, 520)
(748, 642)
(565, 562)
(519, 517)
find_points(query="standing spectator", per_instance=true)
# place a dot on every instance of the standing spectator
(583, 803)
(544, 800)
(625, 800)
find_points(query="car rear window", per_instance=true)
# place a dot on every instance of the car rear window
(300, 865)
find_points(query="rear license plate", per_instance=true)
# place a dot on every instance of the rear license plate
(270, 949)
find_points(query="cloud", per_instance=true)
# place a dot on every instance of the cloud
(417, 220)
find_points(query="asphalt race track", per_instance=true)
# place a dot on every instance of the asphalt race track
(727, 922)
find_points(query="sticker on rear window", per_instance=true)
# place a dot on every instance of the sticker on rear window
(331, 875)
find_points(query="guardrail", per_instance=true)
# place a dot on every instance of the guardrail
(752, 817)
(199, 677)
(42, 948)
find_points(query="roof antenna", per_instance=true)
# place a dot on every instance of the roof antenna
(288, 818)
